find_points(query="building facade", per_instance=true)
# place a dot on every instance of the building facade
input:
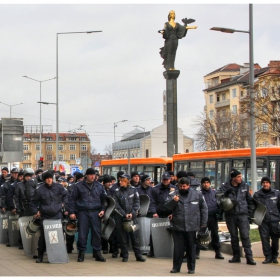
(74, 148)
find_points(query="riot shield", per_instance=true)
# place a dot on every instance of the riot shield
(56, 248)
(34, 244)
(25, 237)
(13, 228)
(110, 209)
(144, 234)
(3, 227)
(259, 213)
(144, 204)
(162, 238)
(107, 228)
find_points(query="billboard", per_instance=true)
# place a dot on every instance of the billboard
(63, 167)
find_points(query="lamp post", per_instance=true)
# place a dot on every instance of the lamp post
(11, 107)
(115, 125)
(57, 128)
(40, 108)
(251, 90)
(144, 138)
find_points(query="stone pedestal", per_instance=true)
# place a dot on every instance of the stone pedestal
(171, 111)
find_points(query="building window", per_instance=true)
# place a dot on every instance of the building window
(25, 147)
(60, 147)
(211, 114)
(60, 138)
(49, 157)
(83, 138)
(72, 139)
(233, 93)
(211, 98)
(49, 147)
(242, 93)
(83, 147)
(72, 156)
(37, 156)
(60, 157)
(48, 138)
(72, 147)
(25, 139)
(26, 165)
(265, 127)
(234, 109)
(218, 98)
(25, 157)
(147, 153)
(223, 96)
(37, 147)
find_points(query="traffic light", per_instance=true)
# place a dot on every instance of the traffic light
(41, 162)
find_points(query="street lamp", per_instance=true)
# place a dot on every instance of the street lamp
(57, 128)
(40, 108)
(11, 107)
(251, 90)
(144, 138)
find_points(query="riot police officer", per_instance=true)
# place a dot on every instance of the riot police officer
(127, 206)
(87, 201)
(4, 173)
(47, 203)
(237, 217)
(135, 180)
(271, 199)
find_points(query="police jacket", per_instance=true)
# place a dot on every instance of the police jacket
(49, 200)
(127, 201)
(84, 198)
(240, 196)
(271, 200)
(190, 213)
(211, 201)
(5, 187)
(148, 192)
(2, 180)
(159, 195)
(13, 196)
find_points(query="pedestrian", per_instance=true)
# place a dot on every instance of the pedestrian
(214, 215)
(135, 180)
(237, 217)
(87, 203)
(127, 206)
(271, 199)
(47, 203)
(189, 215)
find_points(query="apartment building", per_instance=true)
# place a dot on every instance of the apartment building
(74, 148)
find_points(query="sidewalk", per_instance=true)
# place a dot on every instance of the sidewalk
(13, 262)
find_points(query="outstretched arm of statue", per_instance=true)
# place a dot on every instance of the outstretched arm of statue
(191, 27)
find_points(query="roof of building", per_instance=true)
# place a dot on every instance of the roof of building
(137, 136)
(63, 135)
(231, 67)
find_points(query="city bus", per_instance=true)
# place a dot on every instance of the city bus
(217, 164)
(154, 167)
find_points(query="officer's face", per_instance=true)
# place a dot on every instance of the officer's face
(123, 182)
(266, 185)
(49, 181)
(107, 185)
(20, 178)
(27, 178)
(237, 179)
(4, 173)
(147, 183)
(165, 182)
(206, 185)
(183, 186)
(71, 180)
(14, 175)
(90, 178)
(136, 178)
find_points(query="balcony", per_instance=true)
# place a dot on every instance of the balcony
(222, 104)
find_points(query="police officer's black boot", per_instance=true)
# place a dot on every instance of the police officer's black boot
(218, 255)
(274, 259)
(81, 256)
(235, 259)
(40, 257)
(140, 258)
(250, 260)
(99, 257)
(268, 259)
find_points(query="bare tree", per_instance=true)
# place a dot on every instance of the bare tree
(108, 149)
(93, 151)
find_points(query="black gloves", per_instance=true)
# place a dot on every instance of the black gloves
(202, 229)
(228, 191)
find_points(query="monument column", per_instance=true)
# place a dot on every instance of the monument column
(171, 111)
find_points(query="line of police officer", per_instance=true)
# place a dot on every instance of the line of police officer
(87, 202)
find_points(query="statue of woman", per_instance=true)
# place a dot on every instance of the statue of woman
(171, 32)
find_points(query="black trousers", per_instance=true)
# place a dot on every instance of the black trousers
(241, 223)
(266, 232)
(124, 240)
(184, 241)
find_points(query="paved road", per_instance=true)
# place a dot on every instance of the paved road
(13, 262)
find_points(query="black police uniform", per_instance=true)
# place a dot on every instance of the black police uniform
(237, 218)
(189, 215)
(212, 223)
(48, 200)
(271, 199)
(127, 202)
(86, 202)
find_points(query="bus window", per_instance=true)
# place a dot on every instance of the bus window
(272, 174)
(140, 169)
(210, 172)
(197, 168)
(115, 170)
(222, 173)
(133, 168)
(261, 171)
(240, 166)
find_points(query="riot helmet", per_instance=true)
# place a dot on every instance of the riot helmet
(129, 226)
(70, 226)
(28, 172)
(33, 226)
(226, 203)
(204, 238)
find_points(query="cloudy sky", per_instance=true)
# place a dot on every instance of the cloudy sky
(118, 74)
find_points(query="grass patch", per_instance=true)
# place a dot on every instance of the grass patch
(254, 235)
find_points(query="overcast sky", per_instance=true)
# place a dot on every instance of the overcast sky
(118, 74)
